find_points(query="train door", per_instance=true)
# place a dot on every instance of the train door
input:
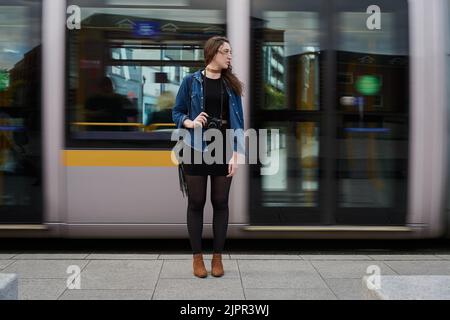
(336, 88)
(20, 113)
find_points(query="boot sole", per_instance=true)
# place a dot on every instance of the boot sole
(200, 276)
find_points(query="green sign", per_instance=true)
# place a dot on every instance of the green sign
(368, 85)
(4, 80)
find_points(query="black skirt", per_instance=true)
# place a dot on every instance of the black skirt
(204, 169)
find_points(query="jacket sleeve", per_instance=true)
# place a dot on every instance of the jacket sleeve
(180, 109)
(239, 141)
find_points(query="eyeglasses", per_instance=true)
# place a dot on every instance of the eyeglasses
(226, 52)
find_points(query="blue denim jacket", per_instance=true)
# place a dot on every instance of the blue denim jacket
(180, 111)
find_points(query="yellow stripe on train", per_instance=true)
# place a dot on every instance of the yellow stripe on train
(117, 158)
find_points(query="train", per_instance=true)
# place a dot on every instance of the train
(359, 96)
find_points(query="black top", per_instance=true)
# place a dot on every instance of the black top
(212, 90)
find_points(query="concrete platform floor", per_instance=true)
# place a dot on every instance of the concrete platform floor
(155, 276)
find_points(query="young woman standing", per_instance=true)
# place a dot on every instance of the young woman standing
(213, 92)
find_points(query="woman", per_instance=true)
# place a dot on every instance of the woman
(211, 92)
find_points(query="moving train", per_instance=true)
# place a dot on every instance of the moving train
(359, 95)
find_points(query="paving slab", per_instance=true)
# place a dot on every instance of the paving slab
(349, 269)
(335, 257)
(51, 256)
(289, 294)
(107, 295)
(265, 256)
(182, 269)
(347, 289)
(121, 274)
(188, 256)
(5, 263)
(7, 256)
(404, 257)
(43, 269)
(443, 256)
(412, 288)
(130, 256)
(41, 289)
(209, 288)
(279, 274)
(441, 267)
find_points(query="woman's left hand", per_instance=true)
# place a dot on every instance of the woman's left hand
(232, 165)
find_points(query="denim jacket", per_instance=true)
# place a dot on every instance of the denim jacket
(180, 111)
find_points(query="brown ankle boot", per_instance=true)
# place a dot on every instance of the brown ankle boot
(199, 266)
(216, 265)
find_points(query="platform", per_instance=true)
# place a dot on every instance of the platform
(162, 276)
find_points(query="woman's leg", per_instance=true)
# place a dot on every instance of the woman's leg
(196, 202)
(220, 189)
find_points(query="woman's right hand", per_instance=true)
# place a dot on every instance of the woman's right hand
(200, 120)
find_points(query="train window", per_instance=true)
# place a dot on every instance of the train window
(373, 131)
(126, 63)
(20, 112)
(337, 89)
(356, 34)
(286, 96)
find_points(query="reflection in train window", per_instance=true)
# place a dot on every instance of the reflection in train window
(20, 112)
(339, 92)
(289, 41)
(373, 131)
(287, 96)
(355, 36)
(126, 64)
(295, 183)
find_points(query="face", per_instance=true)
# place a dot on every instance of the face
(223, 56)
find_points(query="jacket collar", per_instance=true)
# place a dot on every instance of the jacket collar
(198, 75)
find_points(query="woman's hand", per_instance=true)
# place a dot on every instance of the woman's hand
(200, 120)
(232, 165)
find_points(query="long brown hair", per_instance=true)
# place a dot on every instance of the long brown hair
(212, 46)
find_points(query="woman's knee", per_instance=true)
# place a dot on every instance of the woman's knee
(220, 203)
(196, 203)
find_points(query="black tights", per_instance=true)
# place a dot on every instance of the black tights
(220, 188)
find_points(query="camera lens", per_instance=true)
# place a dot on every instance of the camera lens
(212, 125)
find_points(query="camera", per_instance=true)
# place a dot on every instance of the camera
(213, 123)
